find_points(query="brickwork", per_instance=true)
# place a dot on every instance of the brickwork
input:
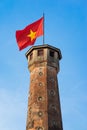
(44, 111)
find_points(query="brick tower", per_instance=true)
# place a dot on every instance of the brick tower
(44, 111)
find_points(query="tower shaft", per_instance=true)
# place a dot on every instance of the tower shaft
(44, 111)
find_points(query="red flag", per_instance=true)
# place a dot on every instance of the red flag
(28, 35)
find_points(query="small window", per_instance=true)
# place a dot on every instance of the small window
(52, 53)
(40, 52)
(54, 123)
(30, 124)
(40, 114)
(51, 79)
(40, 73)
(32, 80)
(53, 107)
(30, 109)
(31, 56)
(39, 98)
(52, 92)
(40, 84)
(39, 128)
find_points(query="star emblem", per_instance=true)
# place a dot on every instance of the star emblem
(32, 35)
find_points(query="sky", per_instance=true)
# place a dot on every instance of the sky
(66, 29)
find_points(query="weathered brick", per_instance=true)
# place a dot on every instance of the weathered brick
(44, 111)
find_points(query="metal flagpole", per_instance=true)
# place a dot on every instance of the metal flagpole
(43, 29)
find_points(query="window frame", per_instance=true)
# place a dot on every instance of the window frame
(40, 52)
(31, 56)
(52, 53)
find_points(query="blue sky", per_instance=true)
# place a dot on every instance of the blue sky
(65, 28)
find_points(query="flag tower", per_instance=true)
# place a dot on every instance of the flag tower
(44, 110)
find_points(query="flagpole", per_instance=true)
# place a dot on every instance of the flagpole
(43, 29)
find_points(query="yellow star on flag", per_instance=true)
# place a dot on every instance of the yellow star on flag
(32, 35)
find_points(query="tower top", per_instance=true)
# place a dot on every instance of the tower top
(43, 55)
(42, 47)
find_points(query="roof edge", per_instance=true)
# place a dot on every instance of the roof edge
(44, 46)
